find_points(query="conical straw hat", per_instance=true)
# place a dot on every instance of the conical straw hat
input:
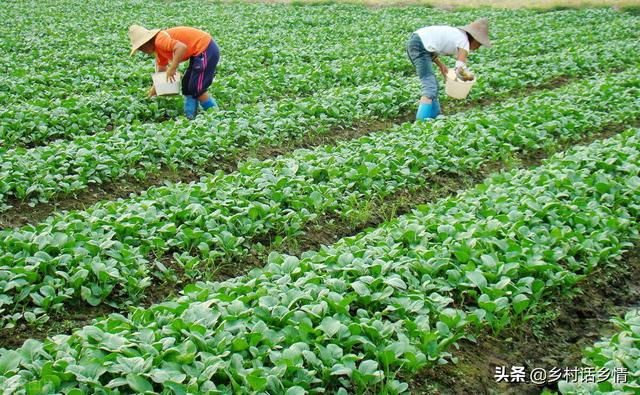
(479, 30)
(139, 35)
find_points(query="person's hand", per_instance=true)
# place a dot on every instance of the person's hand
(171, 74)
(444, 70)
(152, 91)
(464, 74)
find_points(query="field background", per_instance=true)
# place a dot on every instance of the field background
(308, 236)
(473, 3)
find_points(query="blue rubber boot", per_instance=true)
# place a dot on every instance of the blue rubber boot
(190, 107)
(209, 103)
(424, 111)
(435, 108)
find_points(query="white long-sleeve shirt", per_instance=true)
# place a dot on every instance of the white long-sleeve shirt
(443, 40)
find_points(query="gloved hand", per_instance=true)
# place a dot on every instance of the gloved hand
(462, 72)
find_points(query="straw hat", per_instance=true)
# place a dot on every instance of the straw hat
(479, 30)
(139, 35)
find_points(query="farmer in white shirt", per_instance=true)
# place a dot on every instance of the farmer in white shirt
(426, 46)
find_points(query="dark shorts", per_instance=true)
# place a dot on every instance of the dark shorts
(201, 70)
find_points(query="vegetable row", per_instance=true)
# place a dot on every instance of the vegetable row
(90, 88)
(106, 253)
(65, 167)
(350, 317)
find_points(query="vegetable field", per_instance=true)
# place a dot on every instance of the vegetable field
(308, 236)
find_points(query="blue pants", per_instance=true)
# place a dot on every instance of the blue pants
(422, 60)
(202, 68)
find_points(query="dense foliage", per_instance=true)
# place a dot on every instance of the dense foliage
(98, 254)
(307, 81)
(357, 316)
(349, 316)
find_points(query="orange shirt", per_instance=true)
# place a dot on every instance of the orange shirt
(195, 40)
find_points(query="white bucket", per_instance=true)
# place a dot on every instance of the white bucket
(163, 87)
(457, 89)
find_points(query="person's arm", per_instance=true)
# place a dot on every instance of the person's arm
(461, 59)
(443, 69)
(159, 68)
(461, 66)
(179, 49)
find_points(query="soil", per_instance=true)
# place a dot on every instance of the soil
(555, 338)
(61, 323)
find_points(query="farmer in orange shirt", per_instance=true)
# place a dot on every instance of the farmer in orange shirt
(176, 45)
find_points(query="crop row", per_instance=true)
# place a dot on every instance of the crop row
(65, 167)
(106, 252)
(306, 69)
(252, 69)
(319, 38)
(41, 119)
(614, 362)
(350, 317)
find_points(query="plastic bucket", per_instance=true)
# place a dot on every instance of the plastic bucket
(457, 89)
(163, 87)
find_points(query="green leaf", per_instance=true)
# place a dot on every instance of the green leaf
(48, 290)
(368, 367)
(486, 303)
(139, 383)
(9, 360)
(330, 326)
(345, 259)
(395, 282)
(296, 390)
(446, 229)
(520, 303)
(255, 212)
(477, 278)
(162, 375)
(488, 261)
(501, 303)
(360, 288)
(88, 296)
(35, 388)
(340, 370)
(316, 199)
(463, 254)
(257, 381)
(239, 344)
